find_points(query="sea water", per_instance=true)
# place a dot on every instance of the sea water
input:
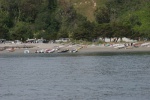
(95, 76)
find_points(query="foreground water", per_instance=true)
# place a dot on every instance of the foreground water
(101, 76)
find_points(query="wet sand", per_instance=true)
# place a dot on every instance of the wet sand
(111, 49)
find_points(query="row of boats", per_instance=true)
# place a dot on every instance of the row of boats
(75, 49)
(56, 50)
(45, 50)
(130, 45)
(59, 49)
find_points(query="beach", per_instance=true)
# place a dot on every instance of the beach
(33, 47)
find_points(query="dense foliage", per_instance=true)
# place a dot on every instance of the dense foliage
(53, 19)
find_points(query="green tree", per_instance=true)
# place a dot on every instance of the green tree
(46, 25)
(121, 30)
(84, 32)
(21, 31)
(102, 15)
(105, 31)
(28, 10)
(52, 4)
(69, 20)
(5, 24)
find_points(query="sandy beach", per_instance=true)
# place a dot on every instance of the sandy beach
(32, 48)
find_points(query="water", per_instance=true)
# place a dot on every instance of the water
(92, 76)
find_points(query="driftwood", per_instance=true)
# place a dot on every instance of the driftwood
(2, 48)
(17, 46)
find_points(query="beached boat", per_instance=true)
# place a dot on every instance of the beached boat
(63, 51)
(11, 49)
(136, 45)
(26, 51)
(2, 49)
(49, 50)
(36, 51)
(73, 51)
(145, 44)
(40, 51)
(120, 46)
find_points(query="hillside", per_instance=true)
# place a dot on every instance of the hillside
(124, 10)
(135, 13)
(76, 19)
(87, 7)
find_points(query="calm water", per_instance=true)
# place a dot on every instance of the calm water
(75, 77)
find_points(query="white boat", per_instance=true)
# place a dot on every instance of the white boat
(26, 51)
(145, 44)
(42, 51)
(73, 51)
(120, 46)
(37, 51)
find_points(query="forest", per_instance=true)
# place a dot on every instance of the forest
(54, 19)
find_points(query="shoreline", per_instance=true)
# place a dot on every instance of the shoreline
(19, 48)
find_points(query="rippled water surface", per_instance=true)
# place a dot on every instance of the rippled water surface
(75, 77)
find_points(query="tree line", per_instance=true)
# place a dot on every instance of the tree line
(53, 19)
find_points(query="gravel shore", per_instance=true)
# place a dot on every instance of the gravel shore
(19, 48)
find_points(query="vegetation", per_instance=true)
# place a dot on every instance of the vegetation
(76, 19)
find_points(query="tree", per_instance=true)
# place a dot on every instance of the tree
(28, 10)
(52, 4)
(21, 31)
(121, 30)
(102, 15)
(5, 24)
(84, 31)
(106, 31)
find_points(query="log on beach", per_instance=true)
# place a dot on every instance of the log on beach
(2, 48)
(20, 46)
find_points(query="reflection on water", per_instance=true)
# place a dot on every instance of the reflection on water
(94, 76)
